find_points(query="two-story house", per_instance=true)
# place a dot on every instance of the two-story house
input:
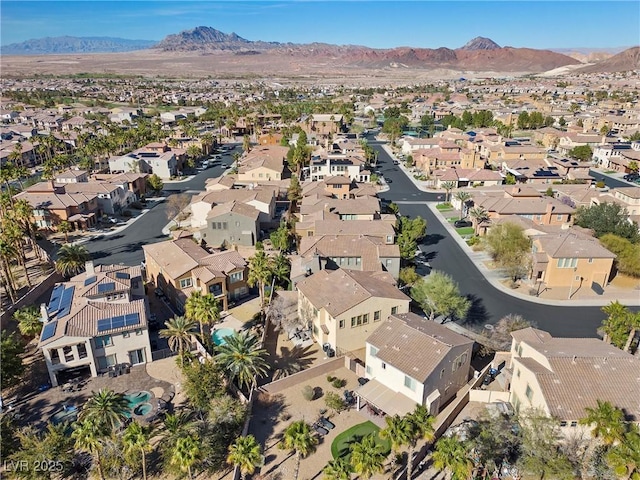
(181, 266)
(95, 321)
(264, 163)
(413, 361)
(343, 307)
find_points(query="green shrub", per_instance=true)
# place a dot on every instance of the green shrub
(334, 402)
(308, 393)
(330, 378)
(338, 383)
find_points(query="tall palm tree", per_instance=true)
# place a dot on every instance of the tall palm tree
(71, 259)
(178, 331)
(28, 319)
(367, 457)
(397, 431)
(23, 212)
(242, 358)
(448, 186)
(463, 197)
(479, 215)
(204, 309)
(260, 273)
(88, 439)
(245, 454)
(7, 252)
(136, 439)
(624, 457)
(299, 439)
(451, 455)
(281, 269)
(607, 421)
(106, 410)
(186, 453)
(338, 469)
(65, 227)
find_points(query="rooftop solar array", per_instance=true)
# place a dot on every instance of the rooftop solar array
(90, 280)
(120, 321)
(48, 330)
(122, 275)
(65, 301)
(54, 302)
(106, 287)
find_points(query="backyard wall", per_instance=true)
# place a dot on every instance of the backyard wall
(301, 377)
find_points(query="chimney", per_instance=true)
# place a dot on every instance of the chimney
(89, 268)
(44, 315)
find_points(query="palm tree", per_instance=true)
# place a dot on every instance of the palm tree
(204, 309)
(245, 454)
(106, 410)
(448, 186)
(625, 456)
(246, 144)
(71, 259)
(463, 197)
(479, 215)
(65, 227)
(338, 469)
(136, 438)
(281, 269)
(7, 252)
(178, 331)
(28, 319)
(186, 453)
(23, 212)
(242, 358)
(367, 457)
(260, 273)
(419, 426)
(87, 439)
(299, 439)
(607, 420)
(450, 454)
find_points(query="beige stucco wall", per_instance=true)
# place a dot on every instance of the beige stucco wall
(254, 175)
(523, 377)
(392, 378)
(598, 271)
(121, 346)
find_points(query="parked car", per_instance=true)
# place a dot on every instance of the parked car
(224, 165)
(631, 177)
(462, 223)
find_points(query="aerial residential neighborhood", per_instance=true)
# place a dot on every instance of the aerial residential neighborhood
(302, 261)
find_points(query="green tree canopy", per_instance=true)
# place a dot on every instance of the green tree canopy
(11, 367)
(203, 382)
(607, 218)
(28, 319)
(410, 232)
(627, 253)
(438, 294)
(510, 248)
(584, 153)
(155, 183)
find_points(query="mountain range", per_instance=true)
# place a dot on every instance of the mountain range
(479, 54)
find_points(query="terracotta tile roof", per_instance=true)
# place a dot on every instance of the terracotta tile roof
(414, 345)
(367, 248)
(234, 207)
(570, 245)
(340, 290)
(175, 257)
(375, 228)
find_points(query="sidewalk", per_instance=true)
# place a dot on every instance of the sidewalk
(557, 297)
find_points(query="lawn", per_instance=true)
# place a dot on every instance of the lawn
(340, 446)
(465, 231)
(443, 207)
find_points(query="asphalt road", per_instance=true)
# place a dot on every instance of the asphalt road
(489, 303)
(126, 247)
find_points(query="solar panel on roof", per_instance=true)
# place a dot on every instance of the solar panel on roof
(65, 301)
(48, 331)
(90, 280)
(106, 287)
(117, 322)
(104, 325)
(132, 319)
(122, 275)
(54, 302)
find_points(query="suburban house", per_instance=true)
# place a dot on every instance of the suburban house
(325, 123)
(95, 321)
(155, 158)
(383, 228)
(550, 374)
(411, 360)
(261, 198)
(262, 164)
(350, 166)
(343, 307)
(339, 186)
(135, 183)
(468, 177)
(354, 252)
(360, 208)
(52, 204)
(568, 259)
(231, 223)
(181, 266)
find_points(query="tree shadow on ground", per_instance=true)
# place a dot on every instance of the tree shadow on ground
(432, 239)
(292, 361)
(268, 411)
(477, 315)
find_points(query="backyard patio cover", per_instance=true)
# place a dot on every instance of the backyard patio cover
(390, 402)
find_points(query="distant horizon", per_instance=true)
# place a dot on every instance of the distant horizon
(373, 24)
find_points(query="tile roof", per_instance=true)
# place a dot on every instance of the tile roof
(365, 247)
(413, 344)
(571, 245)
(340, 290)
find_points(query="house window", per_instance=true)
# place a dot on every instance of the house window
(125, 334)
(137, 356)
(559, 217)
(341, 323)
(82, 350)
(107, 361)
(519, 349)
(563, 423)
(384, 366)
(353, 322)
(529, 393)
(394, 310)
(68, 354)
(104, 341)
(388, 262)
(574, 423)
(357, 260)
(365, 318)
(373, 351)
(139, 331)
(590, 260)
(389, 239)
(442, 373)
(376, 316)
(567, 262)
(368, 369)
(215, 289)
(410, 383)
(186, 283)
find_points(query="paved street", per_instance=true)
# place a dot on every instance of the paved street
(489, 303)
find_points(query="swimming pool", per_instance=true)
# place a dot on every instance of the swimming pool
(218, 335)
(135, 398)
(143, 409)
(68, 415)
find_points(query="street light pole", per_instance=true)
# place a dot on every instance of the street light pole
(573, 276)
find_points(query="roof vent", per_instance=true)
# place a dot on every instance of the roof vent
(574, 359)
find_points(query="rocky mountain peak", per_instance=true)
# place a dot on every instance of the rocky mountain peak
(481, 43)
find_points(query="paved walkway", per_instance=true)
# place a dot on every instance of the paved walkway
(582, 296)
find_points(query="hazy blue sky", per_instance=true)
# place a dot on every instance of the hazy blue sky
(379, 24)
